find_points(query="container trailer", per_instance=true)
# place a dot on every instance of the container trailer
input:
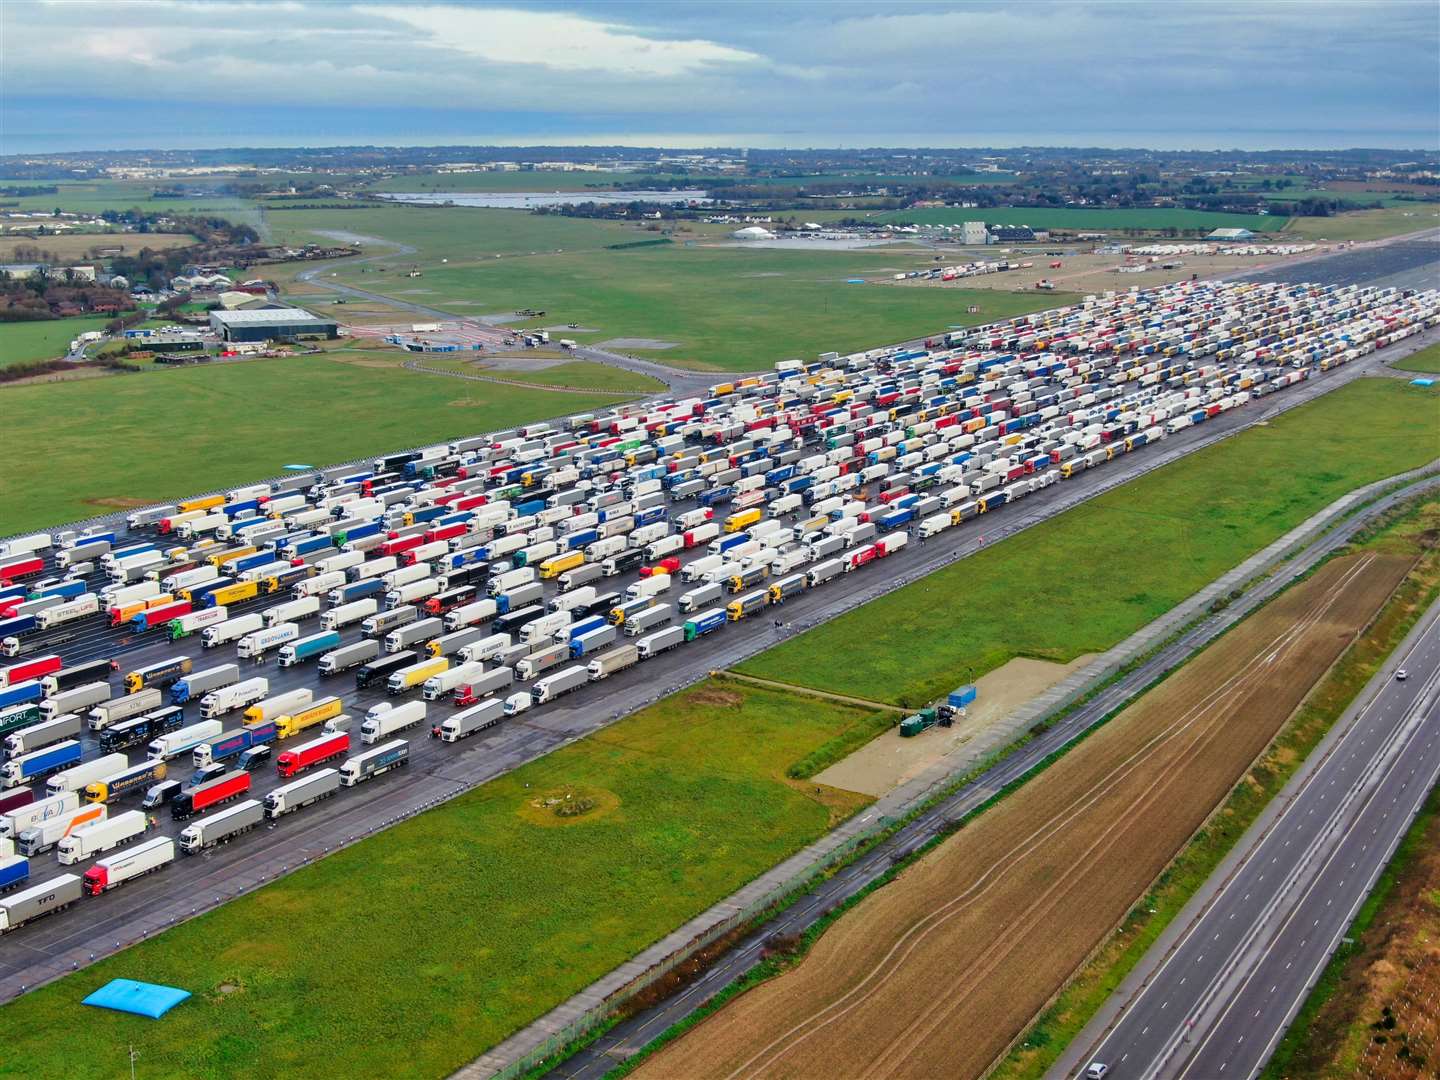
(298, 794)
(220, 827)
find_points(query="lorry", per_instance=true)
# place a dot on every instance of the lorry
(123, 708)
(279, 705)
(236, 741)
(381, 667)
(37, 901)
(451, 644)
(221, 827)
(658, 642)
(317, 712)
(463, 724)
(57, 682)
(588, 642)
(704, 622)
(159, 674)
(44, 835)
(292, 611)
(40, 763)
(381, 623)
(32, 738)
(412, 634)
(649, 619)
(78, 776)
(481, 686)
(611, 661)
(385, 719)
(135, 861)
(174, 743)
(17, 818)
(14, 872)
(101, 836)
(36, 667)
(240, 695)
(298, 794)
(487, 648)
(124, 781)
(441, 683)
(314, 752)
(254, 645)
(562, 682)
(212, 792)
(230, 630)
(306, 648)
(142, 730)
(352, 612)
(187, 624)
(371, 763)
(348, 656)
(199, 683)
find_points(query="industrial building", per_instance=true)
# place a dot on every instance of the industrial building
(271, 324)
(1230, 235)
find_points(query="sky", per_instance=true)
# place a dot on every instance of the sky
(122, 74)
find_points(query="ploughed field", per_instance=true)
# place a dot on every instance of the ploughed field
(934, 974)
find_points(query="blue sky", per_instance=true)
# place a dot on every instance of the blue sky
(178, 72)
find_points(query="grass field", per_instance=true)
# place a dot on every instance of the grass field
(1426, 361)
(105, 449)
(73, 247)
(576, 374)
(725, 308)
(1058, 590)
(1366, 224)
(519, 907)
(1082, 219)
(94, 196)
(47, 340)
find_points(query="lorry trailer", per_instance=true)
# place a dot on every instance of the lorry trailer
(299, 794)
(221, 827)
(213, 792)
(101, 836)
(371, 763)
(135, 861)
(33, 903)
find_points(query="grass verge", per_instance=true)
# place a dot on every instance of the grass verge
(1055, 591)
(466, 922)
(1426, 361)
(48, 340)
(1413, 531)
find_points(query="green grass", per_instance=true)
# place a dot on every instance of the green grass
(1366, 224)
(576, 374)
(93, 196)
(162, 435)
(1099, 219)
(1426, 361)
(48, 340)
(1053, 1031)
(1085, 580)
(446, 232)
(415, 950)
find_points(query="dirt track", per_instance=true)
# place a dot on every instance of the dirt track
(935, 974)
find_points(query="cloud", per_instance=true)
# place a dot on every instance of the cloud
(830, 70)
(560, 41)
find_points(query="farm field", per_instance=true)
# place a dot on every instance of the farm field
(473, 918)
(978, 934)
(233, 423)
(1366, 224)
(1426, 361)
(93, 196)
(1053, 592)
(1076, 218)
(48, 339)
(72, 248)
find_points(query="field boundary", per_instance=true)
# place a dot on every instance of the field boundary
(809, 691)
(586, 1010)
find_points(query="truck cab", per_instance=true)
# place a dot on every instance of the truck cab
(158, 795)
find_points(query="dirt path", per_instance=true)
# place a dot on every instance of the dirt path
(811, 692)
(935, 974)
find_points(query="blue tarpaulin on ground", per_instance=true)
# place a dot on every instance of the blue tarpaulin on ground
(1422, 382)
(141, 998)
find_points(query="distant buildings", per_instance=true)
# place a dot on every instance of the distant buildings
(753, 232)
(269, 324)
(199, 282)
(1230, 235)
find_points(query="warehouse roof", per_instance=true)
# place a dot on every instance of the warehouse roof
(267, 317)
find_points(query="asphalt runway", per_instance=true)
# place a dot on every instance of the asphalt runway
(1405, 264)
(51, 946)
(1213, 998)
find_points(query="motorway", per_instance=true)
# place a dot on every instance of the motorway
(437, 771)
(1214, 996)
(632, 1034)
